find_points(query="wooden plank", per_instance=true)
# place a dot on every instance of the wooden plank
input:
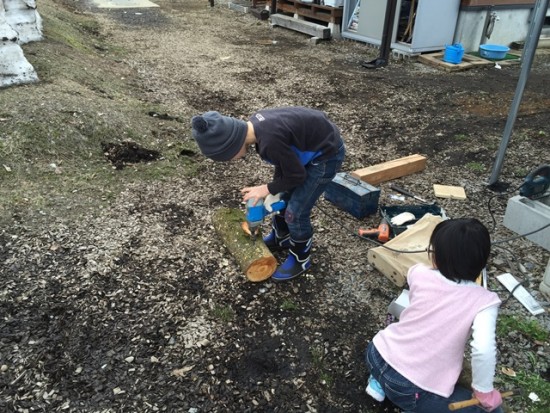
(311, 10)
(395, 265)
(302, 26)
(390, 170)
(468, 61)
(446, 191)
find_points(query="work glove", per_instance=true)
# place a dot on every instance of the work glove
(489, 401)
(270, 200)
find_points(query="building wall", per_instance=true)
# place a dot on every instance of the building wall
(511, 24)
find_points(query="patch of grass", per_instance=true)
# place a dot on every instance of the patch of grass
(289, 305)
(51, 131)
(55, 161)
(326, 379)
(521, 172)
(318, 361)
(461, 137)
(530, 383)
(72, 29)
(529, 328)
(223, 313)
(475, 166)
(530, 135)
(317, 356)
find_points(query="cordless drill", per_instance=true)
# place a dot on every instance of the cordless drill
(255, 214)
(382, 233)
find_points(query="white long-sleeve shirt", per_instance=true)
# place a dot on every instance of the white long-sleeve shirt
(484, 349)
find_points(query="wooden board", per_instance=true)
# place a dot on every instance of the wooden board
(395, 265)
(391, 170)
(468, 62)
(311, 10)
(446, 191)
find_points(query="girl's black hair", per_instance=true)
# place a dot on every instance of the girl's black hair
(460, 248)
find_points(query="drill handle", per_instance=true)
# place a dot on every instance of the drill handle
(274, 203)
(370, 232)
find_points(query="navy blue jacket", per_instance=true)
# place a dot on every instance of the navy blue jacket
(290, 138)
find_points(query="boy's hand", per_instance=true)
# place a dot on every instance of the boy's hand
(256, 192)
(489, 401)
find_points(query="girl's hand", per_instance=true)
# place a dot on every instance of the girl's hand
(489, 401)
(256, 192)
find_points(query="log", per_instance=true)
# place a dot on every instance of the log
(253, 257)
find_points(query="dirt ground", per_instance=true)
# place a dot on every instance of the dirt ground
(117, 295)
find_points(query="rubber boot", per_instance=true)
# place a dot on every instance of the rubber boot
(297, 262)
(279, 238)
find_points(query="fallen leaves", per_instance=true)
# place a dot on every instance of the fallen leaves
(508, 372)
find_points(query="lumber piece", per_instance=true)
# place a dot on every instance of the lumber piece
(448, 191)
(394, 265)
(253, 257)
(387, 171)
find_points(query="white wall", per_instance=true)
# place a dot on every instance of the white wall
(512, 25)
(19, 23)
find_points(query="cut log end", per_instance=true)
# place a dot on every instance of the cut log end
(261, 269)
(253, 257)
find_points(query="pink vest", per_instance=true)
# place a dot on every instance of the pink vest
(427, 344)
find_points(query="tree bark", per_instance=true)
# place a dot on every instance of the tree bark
(253, 257)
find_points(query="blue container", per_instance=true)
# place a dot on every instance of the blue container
(493, 51)
(353, 195)
(453, 54)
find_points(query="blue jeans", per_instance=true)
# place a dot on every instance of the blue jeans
(409, 397)
(302, 199)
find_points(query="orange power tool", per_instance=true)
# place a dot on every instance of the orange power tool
(382, 233)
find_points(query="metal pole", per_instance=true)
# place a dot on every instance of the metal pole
(387, 34)
(539, 14)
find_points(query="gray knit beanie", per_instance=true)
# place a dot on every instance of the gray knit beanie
(219, 137)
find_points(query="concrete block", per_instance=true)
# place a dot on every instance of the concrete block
(238, 7)
(315, 30)
(524, 215)
(314, 40)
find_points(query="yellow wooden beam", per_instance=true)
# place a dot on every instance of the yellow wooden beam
(391, 170)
